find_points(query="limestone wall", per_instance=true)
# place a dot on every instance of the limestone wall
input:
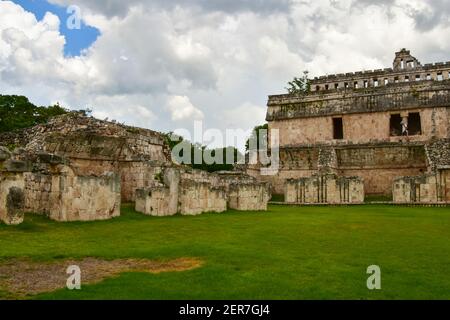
(199, 197)
(278, 181)
(377, 163)
(45, 184)
(379, 181)
(420, 189)
(86, 198)
(248, 197)
(426, 188)
(190, 192)
(137, 175)
(133, 174)
(444, 183)
(359, 128)
(65, 196)
(325, 189)
(76, 136)
(155, 201)
(12, 198)
(406, 68)
(392, 98)
(161, 199)
(93, 147)
(438, 153)
(41, 192)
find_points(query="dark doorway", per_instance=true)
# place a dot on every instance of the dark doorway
(414, 124)
(396, 125)
(338, 129)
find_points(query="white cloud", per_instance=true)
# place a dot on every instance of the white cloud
(163, 64)
(181, 108)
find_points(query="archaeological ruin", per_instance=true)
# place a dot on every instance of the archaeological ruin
(384, 133)
(78, 168)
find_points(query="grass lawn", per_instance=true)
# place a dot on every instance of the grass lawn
(285, 253)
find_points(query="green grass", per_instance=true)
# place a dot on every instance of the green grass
(378, 198)
(285, 253)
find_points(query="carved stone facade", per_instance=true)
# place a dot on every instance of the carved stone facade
(328, 188)
(377, 125)
(432, 187)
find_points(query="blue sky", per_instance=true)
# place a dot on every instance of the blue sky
(76, 40)
(162, 64)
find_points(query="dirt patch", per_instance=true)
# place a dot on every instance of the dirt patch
(24, 277)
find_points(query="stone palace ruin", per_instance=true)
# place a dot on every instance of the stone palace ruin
(384, 132)
(78, 168)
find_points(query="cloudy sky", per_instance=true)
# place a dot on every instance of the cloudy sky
(162, 64)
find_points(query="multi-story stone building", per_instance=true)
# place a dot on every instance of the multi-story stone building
(376, 125)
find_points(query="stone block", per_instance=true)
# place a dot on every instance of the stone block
(12, 198)
(327, 189)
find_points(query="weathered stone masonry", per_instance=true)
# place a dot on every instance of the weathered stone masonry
(12, 196)
(192, 192)
(357, 119)
(78, 168)
(327, 188)
(44, 184)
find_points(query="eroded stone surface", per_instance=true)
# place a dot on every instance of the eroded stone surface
(325, 189)
(371, 147)
(192, 192)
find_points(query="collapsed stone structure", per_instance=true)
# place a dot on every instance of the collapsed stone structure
(78, 168)
(192, 192)
(378, 125)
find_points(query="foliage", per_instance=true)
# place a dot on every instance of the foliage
(17, 112)
(300, 85)
(196, 148)
(256, 133)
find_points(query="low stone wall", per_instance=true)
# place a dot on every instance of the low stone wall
(154, 201)
(137, 175)
(249, 197)
(39, 192)
(64, 196)
(44, 184)
(325, 189)
(133, 174)
(420, 189)
(86, 198)
(444, 183)
(200, 197)
(12, 198)
(190, 192)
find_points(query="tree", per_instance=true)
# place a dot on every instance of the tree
(196, 148)
(259, 134)
(17, 112)
(300, 85)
